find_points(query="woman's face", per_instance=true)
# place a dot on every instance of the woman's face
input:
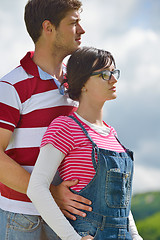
(99, 90)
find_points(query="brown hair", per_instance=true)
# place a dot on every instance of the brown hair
(37, 11)
(82, 63)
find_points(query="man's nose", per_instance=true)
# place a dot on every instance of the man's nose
(80, 30)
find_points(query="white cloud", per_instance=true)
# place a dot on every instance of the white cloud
(105, 15)
(138, 54)
(146, 179)
(15, 41)
(146, 152)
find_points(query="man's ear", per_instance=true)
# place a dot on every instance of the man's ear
(48, 27)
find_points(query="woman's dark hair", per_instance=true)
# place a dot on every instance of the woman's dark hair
(37, 11)
(82, 63)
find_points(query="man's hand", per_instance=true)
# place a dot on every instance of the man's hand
(68, 202)
(89, 237)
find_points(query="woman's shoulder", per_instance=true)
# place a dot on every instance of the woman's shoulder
(112, 129)
(61, 121)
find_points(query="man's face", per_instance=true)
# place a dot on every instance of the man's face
(68, 34)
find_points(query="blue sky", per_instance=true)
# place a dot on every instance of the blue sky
(131, 31)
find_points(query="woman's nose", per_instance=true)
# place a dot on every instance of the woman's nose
(113, 79)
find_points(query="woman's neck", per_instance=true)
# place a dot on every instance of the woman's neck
(91, 113)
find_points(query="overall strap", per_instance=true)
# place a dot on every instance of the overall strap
(126, 149)
(95, 148)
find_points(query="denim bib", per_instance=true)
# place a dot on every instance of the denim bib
(110, 192)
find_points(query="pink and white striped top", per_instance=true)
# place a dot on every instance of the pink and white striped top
(67, 136)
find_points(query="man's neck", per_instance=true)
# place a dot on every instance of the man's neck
(49, 63)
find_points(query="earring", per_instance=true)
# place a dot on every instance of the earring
(84, 89)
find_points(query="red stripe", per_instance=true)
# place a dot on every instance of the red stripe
(38, 118)
(9, 114)
(11, 194)
(24, 156)
(28, 65)
(31, 86)
(6, 126)
(6, 82)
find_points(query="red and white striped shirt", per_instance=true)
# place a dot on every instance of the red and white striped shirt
(29, 101)
(66, 135)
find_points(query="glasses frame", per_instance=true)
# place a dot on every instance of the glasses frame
(110, 73)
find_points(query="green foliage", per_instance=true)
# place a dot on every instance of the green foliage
(145, 205)
(149, 228)
(146, 212)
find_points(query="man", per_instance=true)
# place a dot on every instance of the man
(30, 98)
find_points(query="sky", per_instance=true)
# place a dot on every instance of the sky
(130, 30)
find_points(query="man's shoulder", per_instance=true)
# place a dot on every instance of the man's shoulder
(16, 75)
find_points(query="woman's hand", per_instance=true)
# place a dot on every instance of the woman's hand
(88, 237)
(69, 202)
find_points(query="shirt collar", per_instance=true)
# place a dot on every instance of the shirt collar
(28, 65)
(46, 76)
(43, 75)
(31, 68)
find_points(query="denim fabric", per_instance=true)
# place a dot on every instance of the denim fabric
(110, 193)
(15, 226)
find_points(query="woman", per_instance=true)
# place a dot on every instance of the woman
(84, 147)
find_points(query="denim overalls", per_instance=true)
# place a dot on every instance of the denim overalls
(110, 193)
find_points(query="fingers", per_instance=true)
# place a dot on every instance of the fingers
(88, 237)
(68, 215)
(75, 211)
(73, 208)
(73, 196)
(81, 199)
(81, 206)
(69, 202)
(70, 183)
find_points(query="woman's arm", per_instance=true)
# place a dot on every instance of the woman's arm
(38, 191)
(133, 228)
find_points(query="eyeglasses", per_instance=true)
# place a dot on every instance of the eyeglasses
(106, 74)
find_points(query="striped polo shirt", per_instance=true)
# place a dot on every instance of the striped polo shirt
(29, 100)
(67, 136)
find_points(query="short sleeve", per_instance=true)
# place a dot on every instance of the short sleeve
(59, 135)
(10, 106)
(114, 131)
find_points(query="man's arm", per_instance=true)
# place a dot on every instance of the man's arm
(16, 177)
(11, 173)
